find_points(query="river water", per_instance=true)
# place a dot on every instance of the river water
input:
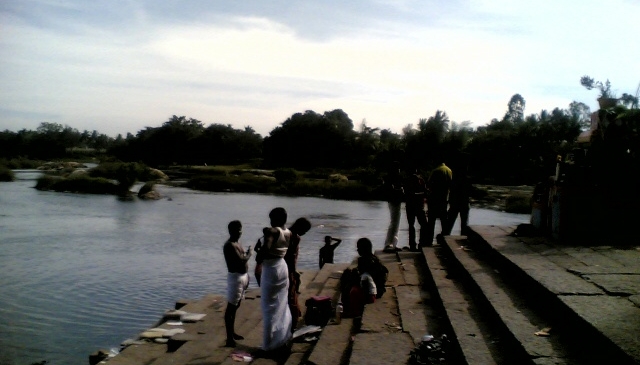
(80, 273)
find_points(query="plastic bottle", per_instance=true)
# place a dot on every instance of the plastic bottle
(339, 310)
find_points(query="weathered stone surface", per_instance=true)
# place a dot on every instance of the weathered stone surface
(412, 311)
(381, 348)
(382, 315)
(615, 284)
(467, 331)
(615, 317)
(333, 343)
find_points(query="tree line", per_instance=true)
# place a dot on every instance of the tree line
(515, 149)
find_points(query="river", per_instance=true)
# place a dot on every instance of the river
(80, 273)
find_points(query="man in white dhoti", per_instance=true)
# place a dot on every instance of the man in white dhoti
(275, 283)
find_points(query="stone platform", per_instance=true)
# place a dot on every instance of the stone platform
(500, 298)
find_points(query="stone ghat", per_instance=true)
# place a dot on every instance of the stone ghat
(500, 298)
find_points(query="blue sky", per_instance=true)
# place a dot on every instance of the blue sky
(120, 66)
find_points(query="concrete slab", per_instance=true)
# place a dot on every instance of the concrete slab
(615, 317)
(390, 261)
(332, 346)
(381, 348)
(615, 284)
(627, 256)
(409, 263)
(412, 310)
(590, 257)
(383, 315)
(553, 277)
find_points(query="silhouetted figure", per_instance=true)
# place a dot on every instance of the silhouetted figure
(459, 200)
(439, 184)
(415, 193)
(395, 196)
(326, 251)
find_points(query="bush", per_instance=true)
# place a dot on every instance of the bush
(6, 174)
(79, 184)
(286, 176)
(518, 202)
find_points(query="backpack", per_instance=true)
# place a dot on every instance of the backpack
(319, 311)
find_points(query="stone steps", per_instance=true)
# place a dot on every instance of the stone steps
(509, 303)
(489, 292)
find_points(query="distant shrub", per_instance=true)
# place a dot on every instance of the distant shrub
(247, 183)
(6, 174)
(286, 176)
(20, 163)
(79, 184)
(518, 202)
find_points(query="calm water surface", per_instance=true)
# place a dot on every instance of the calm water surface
(80, 273)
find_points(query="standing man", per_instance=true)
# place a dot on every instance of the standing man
(326, 251)
(459, 200)
(299, 228)
(439, 184)
(395, 196)
(237, 278)
(415, 191)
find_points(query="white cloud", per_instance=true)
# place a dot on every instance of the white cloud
(257, 69)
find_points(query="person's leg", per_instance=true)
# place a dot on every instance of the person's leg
(229, 323)
(411, 218)
(464, 219)
(394, 223)
(452, 214)
(431, 226)
(422, 220)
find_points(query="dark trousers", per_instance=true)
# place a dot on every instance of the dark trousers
(436, 211)
(415, 210)
(452, 214)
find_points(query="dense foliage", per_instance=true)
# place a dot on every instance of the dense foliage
(514, 149)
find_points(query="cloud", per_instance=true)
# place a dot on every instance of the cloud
(117, 67)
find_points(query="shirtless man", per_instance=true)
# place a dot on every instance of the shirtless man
(237, 278)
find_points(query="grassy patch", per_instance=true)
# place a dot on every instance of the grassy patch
(518, 202)
(80, 184)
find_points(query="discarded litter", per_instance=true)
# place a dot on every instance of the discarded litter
(241, 356)
(430, 351)
(545, 332)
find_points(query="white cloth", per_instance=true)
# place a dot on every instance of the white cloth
(279, 248)
(366, 282)
(237, 285)
(276, 316)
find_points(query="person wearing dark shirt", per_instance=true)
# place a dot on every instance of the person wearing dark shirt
(326, 251)
(237, 278)
(415, 194)
(459, 200)
(299, 228)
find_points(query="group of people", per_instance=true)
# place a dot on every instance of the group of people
(445, 194)
(276, 273)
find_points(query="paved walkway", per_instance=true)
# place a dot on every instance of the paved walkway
(501, 299)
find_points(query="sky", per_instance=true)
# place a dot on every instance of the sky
(119, 66)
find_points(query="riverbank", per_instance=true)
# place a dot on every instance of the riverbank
(499, 299)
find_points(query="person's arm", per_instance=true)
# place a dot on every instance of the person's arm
(337, 240)
(321, 259)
